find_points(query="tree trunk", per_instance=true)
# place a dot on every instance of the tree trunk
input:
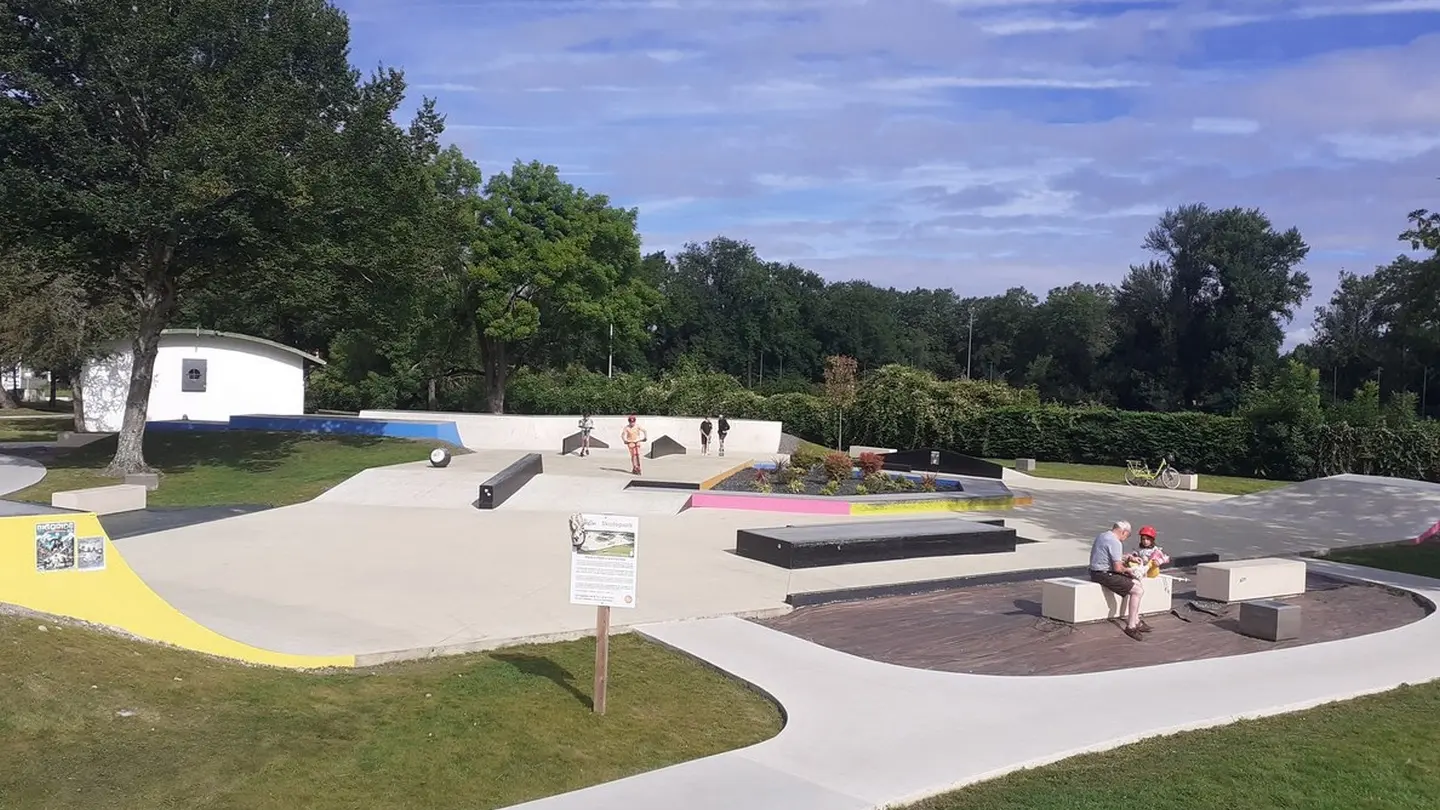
(496, 373)
(154, 307)
(432, 401)
(6, 403)
(77, 399)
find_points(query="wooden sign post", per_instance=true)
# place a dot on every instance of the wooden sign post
(602, 656)
(602, 573)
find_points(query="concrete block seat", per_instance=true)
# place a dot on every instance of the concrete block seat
(102, 500)
(1077, 600)
(1243, 580)
(1270, 620)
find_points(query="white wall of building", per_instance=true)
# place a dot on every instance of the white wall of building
(242, 377)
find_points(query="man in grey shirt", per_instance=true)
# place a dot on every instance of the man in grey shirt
(1107, 568)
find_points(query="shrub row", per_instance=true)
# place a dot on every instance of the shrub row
(905, 408)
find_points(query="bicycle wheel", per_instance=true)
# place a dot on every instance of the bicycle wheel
(1131, 477)
(1170, 478)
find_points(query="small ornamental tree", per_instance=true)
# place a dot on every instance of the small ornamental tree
(840, 389)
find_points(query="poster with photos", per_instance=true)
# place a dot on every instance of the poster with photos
(90, 553)
(602, 560)
(54, 546)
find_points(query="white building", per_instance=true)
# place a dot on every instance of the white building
(201, 375)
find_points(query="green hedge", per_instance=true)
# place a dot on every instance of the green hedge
(905, 408)
(1218, 445)
(1409, 451)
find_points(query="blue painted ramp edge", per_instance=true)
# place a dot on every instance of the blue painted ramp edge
(351, 426)
(178, 425)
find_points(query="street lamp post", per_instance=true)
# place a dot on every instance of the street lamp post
(969, 342)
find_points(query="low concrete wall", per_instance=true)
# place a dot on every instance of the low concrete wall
(488, 431)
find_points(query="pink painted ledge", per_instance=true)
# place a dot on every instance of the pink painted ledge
(770, 503)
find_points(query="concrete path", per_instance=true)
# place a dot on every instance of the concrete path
(861, 734)
(18, 473)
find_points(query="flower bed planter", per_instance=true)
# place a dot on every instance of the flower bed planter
(745, 490)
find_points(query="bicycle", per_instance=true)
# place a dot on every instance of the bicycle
(1138, 473)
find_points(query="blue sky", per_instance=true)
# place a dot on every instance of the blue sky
(971, 144)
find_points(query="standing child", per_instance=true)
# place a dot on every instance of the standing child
(705, 428)
(723, 426)
(586, 425)
(632, 436)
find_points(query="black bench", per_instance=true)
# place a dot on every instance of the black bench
(872, 540)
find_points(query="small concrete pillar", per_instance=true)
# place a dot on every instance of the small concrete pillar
(151, 481)
(1270, 620)
(1190, 481)
(1025, 465)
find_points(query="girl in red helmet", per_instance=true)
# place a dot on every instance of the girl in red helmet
(1150, 556)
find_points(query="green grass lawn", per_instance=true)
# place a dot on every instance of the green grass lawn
(89, 720)
(1095, 473)
(40, 409)
(34, 428)
(1375, 752)
(1423, 560)
(232, 467)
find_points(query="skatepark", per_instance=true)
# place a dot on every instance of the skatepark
(398, 563)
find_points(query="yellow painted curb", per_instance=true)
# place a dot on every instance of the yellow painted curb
(65, 565)
(936, 505)
(710, 482)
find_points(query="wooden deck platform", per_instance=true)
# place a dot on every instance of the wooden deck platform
(998, 630)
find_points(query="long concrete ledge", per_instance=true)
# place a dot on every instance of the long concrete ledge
(862, 735)
(106, 500)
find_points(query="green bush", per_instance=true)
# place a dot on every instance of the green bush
(806, 457)
(1411, 451)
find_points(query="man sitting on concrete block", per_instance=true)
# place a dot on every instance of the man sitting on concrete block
(1109, 570)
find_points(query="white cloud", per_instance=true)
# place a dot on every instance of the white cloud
(1225, 126)
(1385, 148)
(1000, 82)
(1020, 26)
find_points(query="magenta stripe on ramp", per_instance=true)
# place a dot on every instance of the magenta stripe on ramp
(763, 503)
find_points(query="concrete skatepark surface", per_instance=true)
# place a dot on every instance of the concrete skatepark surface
(397, 563)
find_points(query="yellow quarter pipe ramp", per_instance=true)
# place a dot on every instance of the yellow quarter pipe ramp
(65, 565)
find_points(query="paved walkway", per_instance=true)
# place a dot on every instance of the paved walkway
(862, 735)
(18, 473)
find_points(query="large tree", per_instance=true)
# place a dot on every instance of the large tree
(1384, 326)
(166, 144)
(549, 262)
(1199, 322)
